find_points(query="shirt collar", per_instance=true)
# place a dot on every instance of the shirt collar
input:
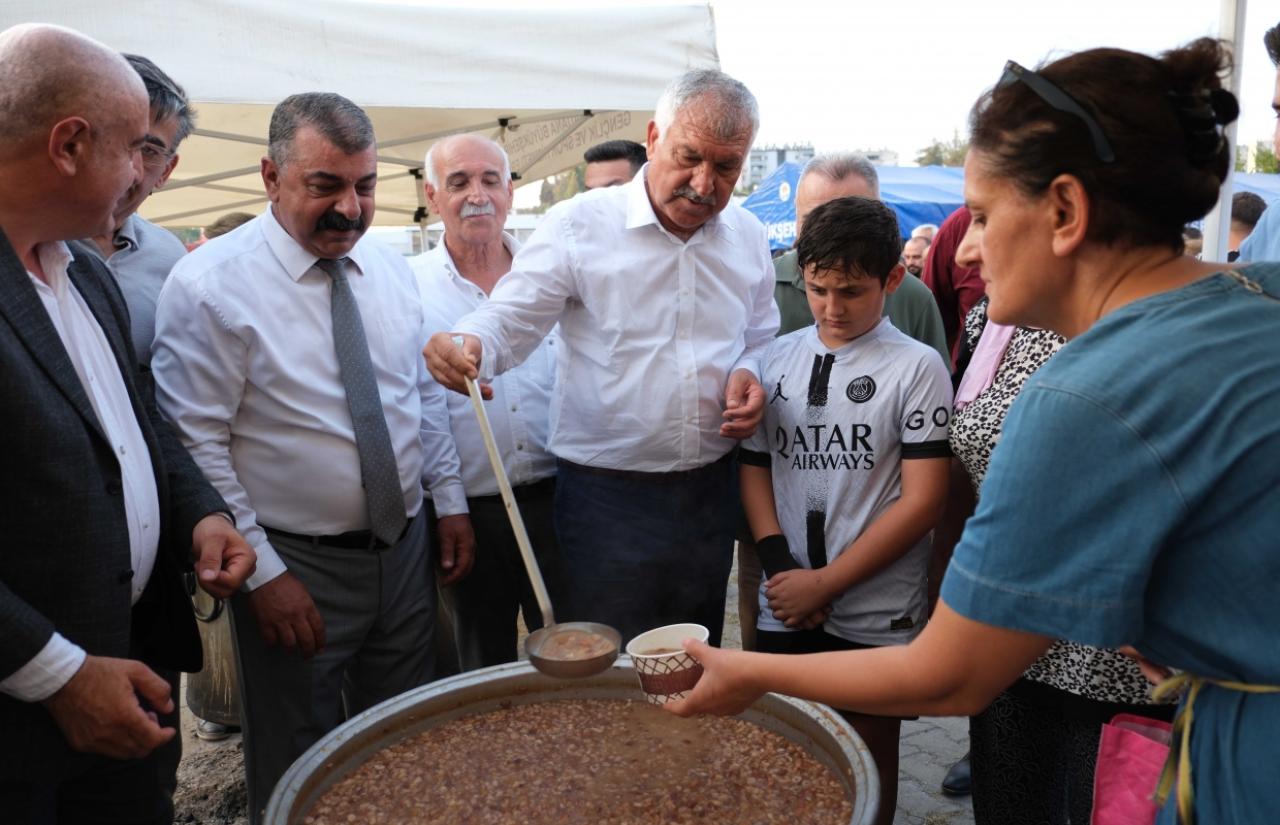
(640, 208)
(126, 237)
(295, 260)
(442, 252)
(55, 257)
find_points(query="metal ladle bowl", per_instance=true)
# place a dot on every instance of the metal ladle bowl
(537, 640)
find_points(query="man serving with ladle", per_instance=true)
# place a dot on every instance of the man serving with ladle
(664, 296)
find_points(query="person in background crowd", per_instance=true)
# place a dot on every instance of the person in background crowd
(103, 508)
(664, 295)
(910, 308)
(1263, 244)
(286, 356)
(1246, 210)
(913, 252)
(226, 223)
(956, 288)
(1169, 547)
(1192, 241)
(469, 186)
(926, 231)
(139, 253)
(613, 162)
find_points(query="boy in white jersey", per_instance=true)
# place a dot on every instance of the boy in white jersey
(847, 474)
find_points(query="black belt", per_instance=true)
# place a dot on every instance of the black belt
(544, 487)
(675, 475)
(350, 540)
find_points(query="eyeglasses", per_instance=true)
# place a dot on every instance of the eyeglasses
(154, 156)
(1061, 101)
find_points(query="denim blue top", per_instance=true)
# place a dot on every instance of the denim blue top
(1135, 499)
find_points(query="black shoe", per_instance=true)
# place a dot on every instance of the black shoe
(959, 780)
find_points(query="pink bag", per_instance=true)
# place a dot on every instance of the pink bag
(1131, 754)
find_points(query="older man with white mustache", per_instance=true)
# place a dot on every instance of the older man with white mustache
(663, 293)
(468, 183)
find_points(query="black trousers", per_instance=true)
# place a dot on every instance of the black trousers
(1034, 750)
(483, 606)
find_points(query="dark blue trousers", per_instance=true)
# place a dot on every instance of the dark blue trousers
(641, 550)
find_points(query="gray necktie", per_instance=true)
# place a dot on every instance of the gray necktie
(382, 492)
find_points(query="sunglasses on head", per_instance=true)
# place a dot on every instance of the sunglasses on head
(1060, 100)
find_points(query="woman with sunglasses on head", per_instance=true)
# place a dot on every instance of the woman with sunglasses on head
(1132, 499)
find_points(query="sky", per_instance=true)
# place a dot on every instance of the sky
(897, 74)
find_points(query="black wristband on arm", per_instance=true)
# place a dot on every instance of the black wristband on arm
(775, 555)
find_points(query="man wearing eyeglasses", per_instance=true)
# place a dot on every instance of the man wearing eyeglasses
(139, 253)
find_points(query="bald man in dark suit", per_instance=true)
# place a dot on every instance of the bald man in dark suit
(102, 508)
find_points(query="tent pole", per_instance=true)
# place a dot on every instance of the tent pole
(1218, 222)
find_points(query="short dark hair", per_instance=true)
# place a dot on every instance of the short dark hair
(856, 236)
(618, 150)
(1162, 117)
(1272, 41)
(226, 223)
(166, 98)
(1247, 208)
(343, 123)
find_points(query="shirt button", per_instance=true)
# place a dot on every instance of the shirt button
(519, 446)
(513, 407)
(121, 449)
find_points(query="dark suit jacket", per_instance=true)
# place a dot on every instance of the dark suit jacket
(64, 541)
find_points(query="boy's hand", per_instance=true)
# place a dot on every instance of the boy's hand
(795, 595)
(815, 620)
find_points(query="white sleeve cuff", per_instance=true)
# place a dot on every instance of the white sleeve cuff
(46, 673)
(449, 499)
(269, 566)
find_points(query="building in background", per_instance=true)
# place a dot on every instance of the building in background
(763, 162)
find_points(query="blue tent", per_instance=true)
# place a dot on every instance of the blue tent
(1265, 186)
(774, 204)
(916, 194)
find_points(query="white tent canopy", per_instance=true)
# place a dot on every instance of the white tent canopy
(547, 84)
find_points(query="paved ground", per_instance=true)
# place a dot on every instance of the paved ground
(211, 786)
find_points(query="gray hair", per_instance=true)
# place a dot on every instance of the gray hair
(167, 98)
(924, 230)
(732, 107)
(49, 72)
(343, 123)
(429, 166)
(837, 167)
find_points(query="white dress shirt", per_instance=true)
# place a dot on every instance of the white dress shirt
(99, 373)
(520, 409)
(246, 370)
(650, 326)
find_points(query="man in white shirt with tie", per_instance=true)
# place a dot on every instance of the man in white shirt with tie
(664, 296)
(286, 355)
(469, 186)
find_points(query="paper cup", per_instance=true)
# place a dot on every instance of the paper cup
(665, 671)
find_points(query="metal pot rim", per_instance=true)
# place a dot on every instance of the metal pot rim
(817, 728)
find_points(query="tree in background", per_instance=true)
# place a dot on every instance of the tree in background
(561, 187)
(939, 153)
(1260, 158)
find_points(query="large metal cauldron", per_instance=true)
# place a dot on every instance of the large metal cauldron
(816, 728)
